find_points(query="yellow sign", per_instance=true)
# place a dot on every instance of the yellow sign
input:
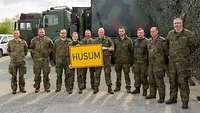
(86, 56)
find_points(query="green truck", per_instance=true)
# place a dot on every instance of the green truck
(28, 25)
(109, 14)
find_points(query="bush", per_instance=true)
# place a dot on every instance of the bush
(6, 26)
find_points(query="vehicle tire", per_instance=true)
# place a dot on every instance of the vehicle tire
(1, 53)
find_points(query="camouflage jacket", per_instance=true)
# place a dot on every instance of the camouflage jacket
(17, 50)
(123, 50)
(158, 53)
(87, 41)
(106, 42)
(180, 45)
(140, 50)
(41, 49)
(61, 50)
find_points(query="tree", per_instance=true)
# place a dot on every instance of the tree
(6, 26)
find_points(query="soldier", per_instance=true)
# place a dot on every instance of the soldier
(140, 62)
(80, 77)
(123, 51)
(108, 46)
(41, 46)
(17, 50)
(61, 51)
(158, 56)
(88, 40)
(181, 44)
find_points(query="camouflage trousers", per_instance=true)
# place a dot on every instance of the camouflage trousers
(60, 67)
(84, 73)
(126, 68)
(97, 76)
(38, 67)
(140, 75)
(15, 68)
(179, 74)
(71, 77)
(156, 82)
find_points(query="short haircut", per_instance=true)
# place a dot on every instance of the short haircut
(140, 29)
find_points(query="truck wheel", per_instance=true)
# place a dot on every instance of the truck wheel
(1, 53)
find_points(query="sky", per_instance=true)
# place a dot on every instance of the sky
(11, 8)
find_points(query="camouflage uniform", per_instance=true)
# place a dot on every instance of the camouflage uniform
(17, 50)
(80, 78)
(180, 47)
(122, 53)
(140, 64)
(158, 55)
(106, 42)
(40, 50)
(91, 69)
(61, 51)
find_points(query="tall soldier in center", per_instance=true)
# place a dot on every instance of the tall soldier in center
(88, 40)
(41, 47)
(108, 46)
(123, 52)
(61, 52)
(140, 62)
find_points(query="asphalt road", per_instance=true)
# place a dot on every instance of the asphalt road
(62, 102)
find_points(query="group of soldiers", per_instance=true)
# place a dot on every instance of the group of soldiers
(150, 59)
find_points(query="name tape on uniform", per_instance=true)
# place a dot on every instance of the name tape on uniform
(86, 56)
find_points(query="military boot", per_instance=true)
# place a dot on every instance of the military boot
(161, 100)
(191, 82)
(14, 92)
(144, 92)
(37, 90)
(110, 90)
(128, 91)
(80, 92)
(136, 91)
(23, 91)
(117, 89)
(198, 98)
(150, 96)
(171, 101)
(96, 90)
(185, 105)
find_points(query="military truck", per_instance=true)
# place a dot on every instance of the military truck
(55, 19)
(28, 24)
(109, 14)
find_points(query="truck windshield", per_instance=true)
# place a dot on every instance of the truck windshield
(50, 20)
(25, 26)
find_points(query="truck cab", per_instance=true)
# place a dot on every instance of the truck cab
(55, 19)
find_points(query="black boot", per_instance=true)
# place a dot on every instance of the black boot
(171, 101)
(144, 92)
(185, 105)
(161, 100)
(136, 91)
(96, 90)
(198, 98)
(150, 96)
(117, 89)
(110, 90)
